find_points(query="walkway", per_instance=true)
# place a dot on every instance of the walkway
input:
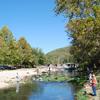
(95, 97)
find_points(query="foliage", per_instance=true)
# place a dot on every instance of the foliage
(39, 56)
(83, 28)
(61, 55)
(98, 80)
(78, 8)
(80, 95)
(54, 78)
(78, 83)
(18, 53)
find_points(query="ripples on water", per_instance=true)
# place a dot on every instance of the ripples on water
(39, 91)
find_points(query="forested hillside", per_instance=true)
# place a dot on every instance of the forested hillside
(60, 55)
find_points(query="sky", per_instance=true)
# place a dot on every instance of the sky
(36, 21)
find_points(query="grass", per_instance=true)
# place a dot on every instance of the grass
(54, 78)
(81, 96)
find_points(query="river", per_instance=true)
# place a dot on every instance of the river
(39, 91)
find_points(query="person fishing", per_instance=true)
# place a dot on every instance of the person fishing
(93, 83)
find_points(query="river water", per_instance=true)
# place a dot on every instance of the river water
(39, 91)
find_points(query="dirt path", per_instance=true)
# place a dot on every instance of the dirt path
(98, 96)
(88, 89)
(95, 97)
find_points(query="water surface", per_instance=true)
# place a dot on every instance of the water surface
(39, 91)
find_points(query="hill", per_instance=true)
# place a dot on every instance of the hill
(60, 55)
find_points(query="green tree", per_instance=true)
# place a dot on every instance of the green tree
(18, 53)
(83, 28)
(40, 58)
(7, 46)
(25, 52)
(60, 55)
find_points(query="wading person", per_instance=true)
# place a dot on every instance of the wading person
(17, 83)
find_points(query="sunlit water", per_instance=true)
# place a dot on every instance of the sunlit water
(39, 91)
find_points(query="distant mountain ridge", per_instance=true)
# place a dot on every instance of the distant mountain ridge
(59, 51)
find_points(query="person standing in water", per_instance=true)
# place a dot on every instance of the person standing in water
(17, 77)
(17, 83)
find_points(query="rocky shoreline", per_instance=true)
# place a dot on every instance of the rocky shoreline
(8, 77)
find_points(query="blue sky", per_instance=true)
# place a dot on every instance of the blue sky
(36, 21)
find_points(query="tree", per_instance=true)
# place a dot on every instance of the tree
(26, 57)
(18, 53)
(7, 46)
(40, 58)
(83, 28)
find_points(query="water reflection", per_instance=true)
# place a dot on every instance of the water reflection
(17, 87)
(39, 91)
(23, 94)
(54, 91)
